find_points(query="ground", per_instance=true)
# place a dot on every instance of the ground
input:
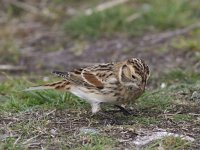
(37, 38)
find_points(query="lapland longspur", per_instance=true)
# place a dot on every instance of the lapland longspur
(117, 83)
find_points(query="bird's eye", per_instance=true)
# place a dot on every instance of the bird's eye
(133, 77)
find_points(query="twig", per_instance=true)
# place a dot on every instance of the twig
(34, 145)
(16, 141)
(12, 68)
(8, 129)
(133, 17)
(104, 6)
(154, 39)
(24, 6)
(27, 141)
(33, 10)
(86, 64)
(194, 114)
(47, 114)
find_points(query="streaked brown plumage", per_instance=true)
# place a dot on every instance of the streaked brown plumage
(117, 83)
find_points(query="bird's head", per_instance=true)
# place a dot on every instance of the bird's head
(134, 73)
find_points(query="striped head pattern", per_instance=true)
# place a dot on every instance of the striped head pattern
(134, 72)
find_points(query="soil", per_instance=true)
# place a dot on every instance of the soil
(107, 50)
(56, 124)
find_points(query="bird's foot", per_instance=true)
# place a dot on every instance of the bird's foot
(123, 110)
(106, 118)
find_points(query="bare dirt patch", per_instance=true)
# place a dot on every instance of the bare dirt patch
(107, 50)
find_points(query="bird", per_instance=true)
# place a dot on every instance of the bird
(117, 83)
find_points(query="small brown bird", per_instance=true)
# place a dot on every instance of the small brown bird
(117, 83)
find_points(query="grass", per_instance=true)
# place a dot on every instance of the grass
(180, 76)
(14, 98)
(20, 100)
(48, 114)
(154, 16)
(87, 142)
(158, 99)
(182, 117)
(50, 119)
(187, 43)
(9, 144)
(96, 142)
(97, 23)
(9, 48)
(170, 142)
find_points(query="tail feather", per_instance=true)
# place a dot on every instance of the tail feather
(60, 85)
(38, 88)
(61, 74)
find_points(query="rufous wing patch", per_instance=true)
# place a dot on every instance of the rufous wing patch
(93, 80)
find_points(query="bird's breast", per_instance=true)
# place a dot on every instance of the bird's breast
(93, 95)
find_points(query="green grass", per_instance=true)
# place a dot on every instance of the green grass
(187, 43)
(169, 143)
(146, 120)
(182, 117)
(13, 10)
(180, 76)
(9, 48)
(97, 142)
(31, 109)
(9, 144)
(154, 16)
(15, 99)
(159, 99)
(97, 23)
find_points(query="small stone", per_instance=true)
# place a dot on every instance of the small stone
(161, 147)
(163, 85)
(195, 96)
(46, 79)
(91, 131)
(53, 131)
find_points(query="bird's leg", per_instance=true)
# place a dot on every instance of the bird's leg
(96, 111)
(95, 107)
(123, 110)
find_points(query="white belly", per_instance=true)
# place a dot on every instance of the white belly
(91, 97)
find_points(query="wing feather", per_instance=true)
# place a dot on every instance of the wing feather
(94, 76)
(92, 79)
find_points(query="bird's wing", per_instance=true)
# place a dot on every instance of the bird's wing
(95, 76)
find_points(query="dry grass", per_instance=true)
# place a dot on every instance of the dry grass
(54, 120)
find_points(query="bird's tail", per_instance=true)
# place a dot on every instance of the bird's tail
(60, 85)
